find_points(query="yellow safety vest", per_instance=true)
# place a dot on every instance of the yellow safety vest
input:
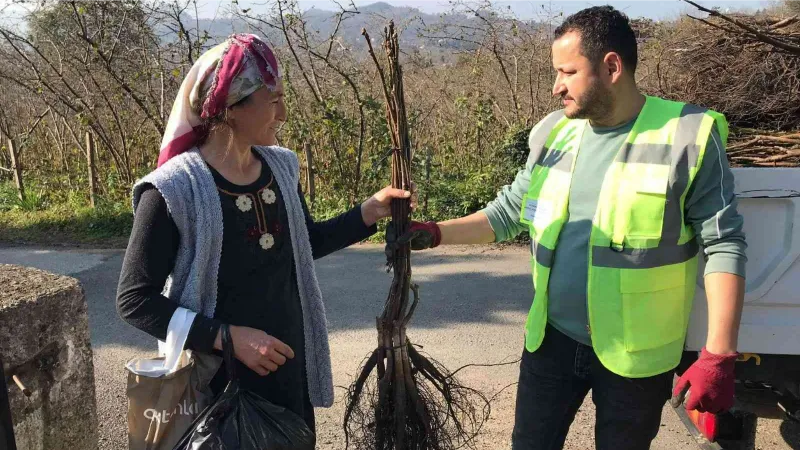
(642, 254)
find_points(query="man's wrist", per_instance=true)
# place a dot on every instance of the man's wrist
(721, 350)
(436, 233)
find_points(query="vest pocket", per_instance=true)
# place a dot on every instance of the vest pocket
(653, 312)
(647, 200)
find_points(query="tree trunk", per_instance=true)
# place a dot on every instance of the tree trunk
(16, 166)
(428, 157)
(310, 171)
(90, 165)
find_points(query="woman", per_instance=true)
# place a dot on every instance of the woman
(221, 228)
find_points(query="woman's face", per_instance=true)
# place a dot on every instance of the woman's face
(258, 119)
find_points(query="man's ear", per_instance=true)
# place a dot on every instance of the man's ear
(613, 66)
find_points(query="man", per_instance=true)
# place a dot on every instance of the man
(619, 194)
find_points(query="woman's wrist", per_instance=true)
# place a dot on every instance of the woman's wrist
(368, 212)
(218, 340)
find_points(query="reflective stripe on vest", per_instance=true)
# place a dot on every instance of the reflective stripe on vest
(642, 258)
(642, 255)
(543, 255)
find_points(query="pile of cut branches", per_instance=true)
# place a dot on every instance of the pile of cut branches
(403, 400)
(752, 148)
(746, 66)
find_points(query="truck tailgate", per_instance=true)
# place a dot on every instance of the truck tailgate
(769, 201)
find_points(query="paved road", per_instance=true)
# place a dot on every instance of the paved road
(474, 302)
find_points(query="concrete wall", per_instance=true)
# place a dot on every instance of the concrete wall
(44, 340)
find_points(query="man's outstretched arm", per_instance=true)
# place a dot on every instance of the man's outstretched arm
(472, 229)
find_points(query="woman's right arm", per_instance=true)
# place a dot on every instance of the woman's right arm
(149, 260)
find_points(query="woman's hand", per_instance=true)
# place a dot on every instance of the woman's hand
(257, 350)
(379, 205)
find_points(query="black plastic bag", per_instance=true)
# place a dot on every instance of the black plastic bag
(239, 419)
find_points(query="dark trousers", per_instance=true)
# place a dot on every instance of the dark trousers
(553, 383)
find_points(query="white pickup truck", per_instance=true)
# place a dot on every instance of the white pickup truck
(768, 373)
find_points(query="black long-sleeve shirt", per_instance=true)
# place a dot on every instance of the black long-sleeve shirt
(257, 284)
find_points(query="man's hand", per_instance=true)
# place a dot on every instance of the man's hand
(711, 379)
(421, 235)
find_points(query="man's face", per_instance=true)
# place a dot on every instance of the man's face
(583, 92)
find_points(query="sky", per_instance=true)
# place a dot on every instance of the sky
(654, 9)
(524, 9)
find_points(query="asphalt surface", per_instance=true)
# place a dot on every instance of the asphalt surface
(473, 307)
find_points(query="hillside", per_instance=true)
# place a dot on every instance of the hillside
(373, 17)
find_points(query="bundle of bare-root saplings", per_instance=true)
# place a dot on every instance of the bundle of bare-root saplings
(402, 399)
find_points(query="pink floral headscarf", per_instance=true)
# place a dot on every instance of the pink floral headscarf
(221, 77)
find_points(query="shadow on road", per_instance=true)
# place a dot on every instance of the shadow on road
(453, 288)
(460, 288)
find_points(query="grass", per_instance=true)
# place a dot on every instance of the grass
(65, 226)
(67, 220)
(62, 225)
(37, 220)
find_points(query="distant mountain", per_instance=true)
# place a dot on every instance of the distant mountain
(411, 21)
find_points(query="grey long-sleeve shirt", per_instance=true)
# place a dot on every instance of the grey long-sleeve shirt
(710, 209)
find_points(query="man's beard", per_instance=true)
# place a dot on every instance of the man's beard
(595, 104)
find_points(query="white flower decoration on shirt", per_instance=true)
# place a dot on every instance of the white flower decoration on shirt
(268, 195)
(244, 203)
(266, 241)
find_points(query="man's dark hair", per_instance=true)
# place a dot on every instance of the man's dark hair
(603, 29)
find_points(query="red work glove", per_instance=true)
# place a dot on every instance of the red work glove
(711, 379)
(420, 235)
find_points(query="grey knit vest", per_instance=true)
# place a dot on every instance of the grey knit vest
(190, 193)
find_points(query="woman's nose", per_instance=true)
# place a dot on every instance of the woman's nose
(280, 114)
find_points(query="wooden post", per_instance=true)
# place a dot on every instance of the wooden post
(310, 170)
(17, 168)
(90, 164)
